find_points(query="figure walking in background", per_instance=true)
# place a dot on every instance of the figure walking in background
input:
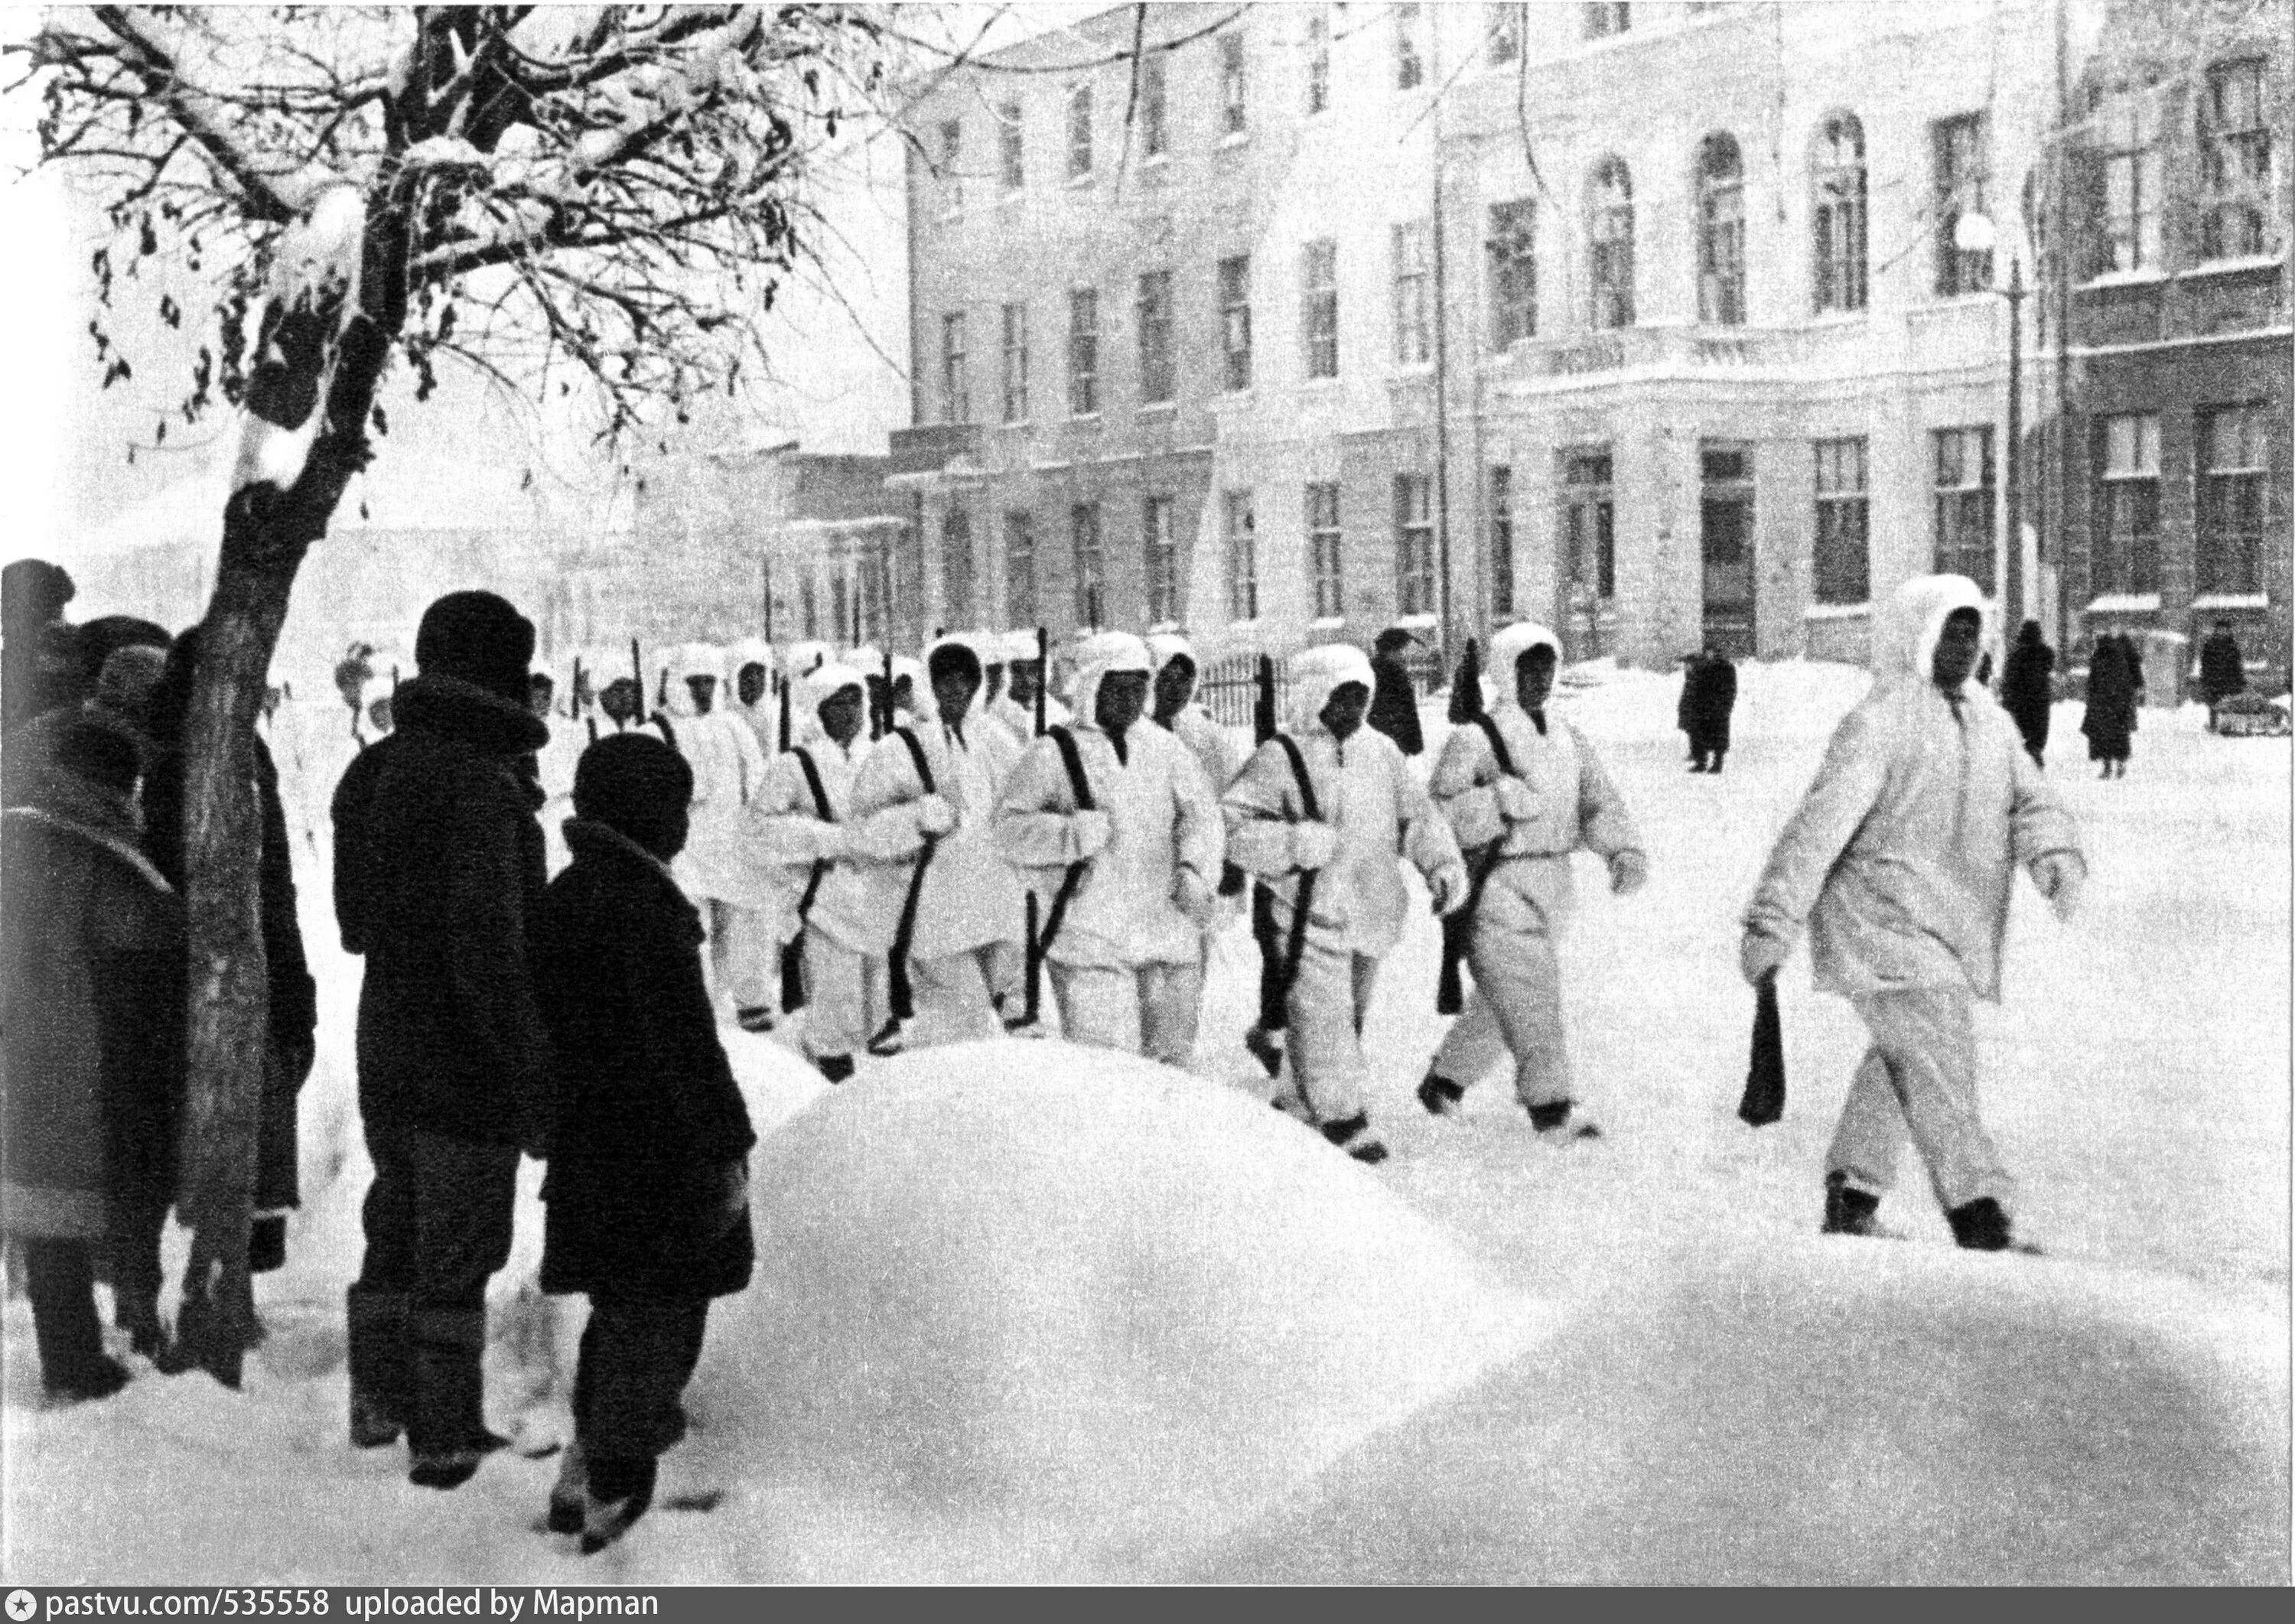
(1394, 696)
(2223, 669)
(1901, 858)
(2109, 719)
(1709, 699)
(2028, 689)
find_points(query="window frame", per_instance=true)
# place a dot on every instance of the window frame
(952, 168)
(1960, 176)
(1011, 150)
(1321, 503)
(959, 586)
(1234, 86)
(1088, 560)
(1318, 47)
(1083, 346)
(1499, 484)
(2127, 124)
(1319, 308)
(2124, 522)
(955, 369)
(1409, 55)
(1015, 347)
(1415, 586)
(1503, 32)
(1239, 548)
(1021, 606)
(1154, 108)
(1952, 505)
(1605, 20)
(1610, 268)
(1840, 219)
(1234, 282)
(1159, 548)
(1411, 260)
(1510, 257)
(1842, 525)
(1077, 114)
(1159, 362)
(1720, 228)
(2228, 557)
(1588, 488)
(2250, 196)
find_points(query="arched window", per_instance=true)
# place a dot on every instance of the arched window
(1720, 233)
(1837, 213)
(1610, 243)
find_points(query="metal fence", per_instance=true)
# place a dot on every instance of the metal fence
(1229, 688)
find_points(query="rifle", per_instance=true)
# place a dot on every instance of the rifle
(792, 993)
(574, 709)
(785, 713)
(1043, 677)
(1764, 1099)
(1458, 926)
(902, 992)
(1033, 949)
(1274, 993)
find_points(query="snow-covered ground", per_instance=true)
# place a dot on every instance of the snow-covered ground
(1026, 1312)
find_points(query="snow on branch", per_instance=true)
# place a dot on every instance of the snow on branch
(314, 294)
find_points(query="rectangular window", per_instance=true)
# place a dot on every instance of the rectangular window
(1963, 502)
(1961, 174)
(2128, 127)
(1843, 561)
(1091, 564)
(1837, 214)
(1235, 321)
(2126, 554)
(1020, 567)
(1409, 60)
(1319, 61)
(1589, 525)
(1502, 34)
(1084, 351)
(1015, 363)
(2235, 163)
(2234, 482)
(955, 386)
(808, 597)
(1079, 133)
(1319, 326)
(1601, 21)
(1161, 548)
(1241, 534)
(1233, 115)
(1010, 158)
(1513, 250)
(1323, 540)
(951, 166)
(1502, 542)
(1412, 343)
(1414, 544)
(1155, 124)
(1157, 380)
(956, 566)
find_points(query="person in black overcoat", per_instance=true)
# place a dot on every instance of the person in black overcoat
(2223, 669)
(648, 1191)
(2027, 687)
(2110, 716)
(1394, 698)
(1710, 697)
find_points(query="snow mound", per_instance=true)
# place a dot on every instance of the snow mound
(1031, 1310)
(1829, 1413)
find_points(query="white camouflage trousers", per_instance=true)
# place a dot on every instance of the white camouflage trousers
(836, 999)
(1919, 1079)
(1514, 1009)
(744, 958)
(1327, 1004)
(1142, 1009)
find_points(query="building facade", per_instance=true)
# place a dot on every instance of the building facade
(1668, 324)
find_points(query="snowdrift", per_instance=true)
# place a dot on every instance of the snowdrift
(1027, 1311)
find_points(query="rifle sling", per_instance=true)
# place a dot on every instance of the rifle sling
(905, 935)
(1296, 949)
(1459, 928)
(1079, 788)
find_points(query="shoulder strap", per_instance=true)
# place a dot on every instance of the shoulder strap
(1299, 772)
(1079, 786)
(1490, 726)
(668, 733)
(917, 755)
(812, 782)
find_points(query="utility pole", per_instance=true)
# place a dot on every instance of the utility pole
(2012, 566)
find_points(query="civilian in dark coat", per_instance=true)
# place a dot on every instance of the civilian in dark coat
(648, 1187)
(2223, 671)
(1394, 698)
(86, 1071)
(2027, 687)
(1710, 697)
(293, 996)
(2110, 717)
(438, 873)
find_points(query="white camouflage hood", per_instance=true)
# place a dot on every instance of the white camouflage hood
(1319, 673)
(825, 682)
(1101, 655)
(1905, 637)
(1507, 647)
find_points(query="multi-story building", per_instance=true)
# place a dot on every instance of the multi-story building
(1668, 324)
(2168, 288)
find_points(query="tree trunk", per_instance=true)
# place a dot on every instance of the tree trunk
(265, 534)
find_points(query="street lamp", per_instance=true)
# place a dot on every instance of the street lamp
(1973, 233)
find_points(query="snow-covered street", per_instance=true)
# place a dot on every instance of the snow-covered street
(1025, 1312)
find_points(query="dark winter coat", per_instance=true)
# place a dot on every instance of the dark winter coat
(1709, 696)
(294, 996)
(2028, 689)
(649, 1123)
(1394, 704)
(2110, 717)
(2223, 673)
(87, 1074)
(438, 874)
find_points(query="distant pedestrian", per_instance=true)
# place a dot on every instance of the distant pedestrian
(438, 874)
(1900, 859)
(648, 1190)
(2223, 669)
(2028, 689)
(87, 1071)
(1710, 697)
(1394, 695)
(2109, 720)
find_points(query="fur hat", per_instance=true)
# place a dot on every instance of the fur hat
(480, 638)
(635, 785)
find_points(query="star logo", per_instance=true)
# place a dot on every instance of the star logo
(22, 1605)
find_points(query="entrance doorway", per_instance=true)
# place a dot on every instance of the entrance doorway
(1726, 542)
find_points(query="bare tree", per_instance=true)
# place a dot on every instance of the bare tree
(601, 197)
